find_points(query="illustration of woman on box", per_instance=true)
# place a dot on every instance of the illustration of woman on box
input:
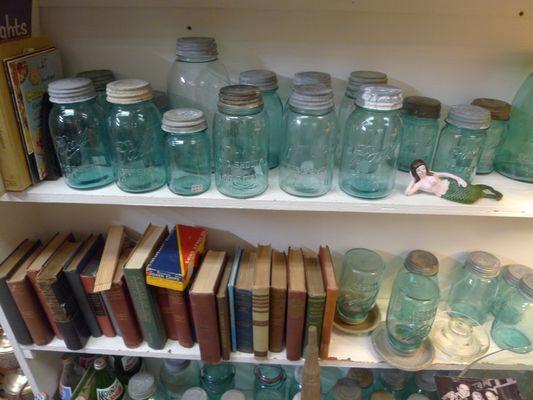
(448, 186)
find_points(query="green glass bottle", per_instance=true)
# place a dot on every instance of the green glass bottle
(106, 385)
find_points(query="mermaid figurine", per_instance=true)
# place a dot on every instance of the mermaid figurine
(448, 186)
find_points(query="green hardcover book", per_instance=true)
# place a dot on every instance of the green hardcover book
(316, 294)
(143, 297)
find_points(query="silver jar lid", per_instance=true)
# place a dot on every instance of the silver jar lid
(380, 97)
(196, 48)
(469, 117)
(263, 79)
(422, 262)
(184, 120)
(233, 394)
(194, 393)
(394, 378)
(71, 90)
(128, 91)
(311, 78)
(346, 389)
(514, 272)
(526, 285)
(312, 97)
(99, 77)
(484, 264)
(141, 386)
(359, 78)
(240, 97)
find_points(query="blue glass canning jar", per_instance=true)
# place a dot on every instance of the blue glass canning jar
(187, 151)
(241, 142)
(461, 140)
(269, 382)
(308, 152)
(216, 379)
(134, 125)
(507, 283)
(100, 78)
(345, 389)
(267, 82)
(309, 78)
(372, 143)
(79, 133)
(420, 130)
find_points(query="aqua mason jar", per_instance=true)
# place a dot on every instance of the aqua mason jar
(507, 283)
(347, 106)
(187, 151)
(420, 130)
(241, 142)
(217, 379)
(308, 78)
(372, 143)
(512, 328)
(364, 377)
(500, 113)
(100, 78)
(134, 125)
(269, 382)
(267, 82)
(345, 389)
(179, 375)
(79, 133)
(461, 141)
(143, 386)
(308, 152)
(361, 276)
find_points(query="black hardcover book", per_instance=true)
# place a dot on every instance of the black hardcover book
(244, 320)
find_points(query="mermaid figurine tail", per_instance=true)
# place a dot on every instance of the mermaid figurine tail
(471, 193)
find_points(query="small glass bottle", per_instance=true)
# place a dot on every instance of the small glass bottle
(394, 381)
(195, 393)
(78, 129)
(310, 132)
(372, 143)
(461, 141)
(269, 382)
(71, 375)
(513, 327)
(476, 286)
(178, 375)
(345, 389)
(362, 272)
(500, 113)
(187, 152)
(135, 130)
(217, 379)
(420, 130)
(508, 282)
(424, 384)
(241, 142)
(106, 385)
(100, 78)
(364, 377)
(267, 82)
(143, 386)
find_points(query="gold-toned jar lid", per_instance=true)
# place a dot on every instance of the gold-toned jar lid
(499, 110)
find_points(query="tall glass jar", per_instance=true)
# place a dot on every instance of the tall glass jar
(187, 151)
(420, 130)
(179, 375)
(135, 130)
(217, 379)
(355, 81)
(308, 152)
(513, 327)
(100, 78)
(309, 78)
(461, 141)
(475, 287)
(345, 389)
(500, 113)
(269, 382)
(241, 142)
(514, 158)
(79, 134)
(267, 82)
(508, 282)
(372, 143)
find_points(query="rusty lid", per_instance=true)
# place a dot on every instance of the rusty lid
(499, 110)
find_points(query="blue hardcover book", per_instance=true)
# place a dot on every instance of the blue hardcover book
(231, 295)
(243, 303)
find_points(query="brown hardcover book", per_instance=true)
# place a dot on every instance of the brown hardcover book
(179, 302)
(204, 307)
(110, 257)
(261, 300)
(278, 302)
(316, 295)
(163, 302)
(332, 291)
(223, 312)
(296, 302)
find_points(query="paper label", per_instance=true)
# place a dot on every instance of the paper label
(112, 392)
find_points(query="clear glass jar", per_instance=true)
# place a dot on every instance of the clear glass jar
(267, 82)
(420, 130)
(217, 379)
(100, 78)
(513, 327)
(475, 287)
(143, 386)
(135, 130)
(269, 382)
(187, 152)
(372, 143)
(461, 141)
(310, 132)
(78, 129)
(500, 112)
(364, 377)
(241, 142)
(345, 389)
(179, 375)
(507, 283)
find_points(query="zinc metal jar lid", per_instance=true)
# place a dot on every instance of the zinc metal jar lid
(363, 376)
(311, 78)
(128, 91)
(196, 48)
(359, 78)
(526, 285)
(422, 262)
(240, 97)
(184, 120)
(141, 386)
(379, 97)
(315, 97)
(484, 264)
(233, 394)
(499, 110)
(71, 90)
(422, 107)
(262, 78)
(346, 389)
(194, 393)
(468, 117)
(514, 272)
(99, 77)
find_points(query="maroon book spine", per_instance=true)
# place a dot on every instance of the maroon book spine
(32, 276)
(295, 324)
(163, 302)
(98, 306)
(204, 312)
(181, 316)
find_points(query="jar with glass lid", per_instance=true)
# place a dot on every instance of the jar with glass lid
(508, 282)
(79, 133)
(100, 78)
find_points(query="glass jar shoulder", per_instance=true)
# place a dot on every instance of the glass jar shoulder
(144, 113)
(302, 120)
(366, 120)
(450, 130)
(88, 111)
(272, 100)
(410, 121)
(199, 73)
(243, 118)
(186, 139)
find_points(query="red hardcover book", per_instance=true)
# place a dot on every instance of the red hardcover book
(163, 302)
(332, 291)
(179, 303)
(296, 302)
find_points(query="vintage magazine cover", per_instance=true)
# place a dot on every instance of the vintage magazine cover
(454, 388)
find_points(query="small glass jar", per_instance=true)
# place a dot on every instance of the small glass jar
(475, 288)
(364, 377)
(100, 78)
(345, 389)
(507, 283)
(513, 327)
(500, 113)
(241, 142)
(355, 81)
(178, 375)
(187, 151)
(135, 130)
(424, 384)
(143, 386)
(394, 381)
(267, 82)
(372, 143)
(461, 141)
(217, 379)
(78, 129)
(362, 272)
(310, 132)
(269, 382)
(420, 130)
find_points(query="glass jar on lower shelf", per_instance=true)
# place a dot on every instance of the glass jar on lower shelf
(508, 283)
(179, 375)
(394, 381)
(217, 379)
(143, 386)
(365, 380)
(269, 382)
